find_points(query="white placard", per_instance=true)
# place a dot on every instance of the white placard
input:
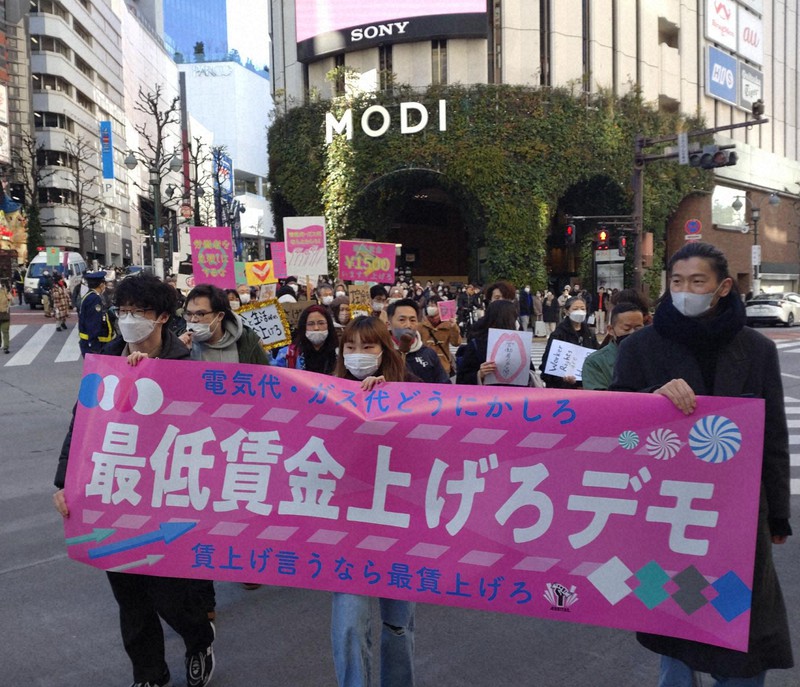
(721, 22)
(511, 351)
(566, 359)
(751, 36)
(306, 247)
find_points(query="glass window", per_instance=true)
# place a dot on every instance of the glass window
(439, 63)
(722, 211)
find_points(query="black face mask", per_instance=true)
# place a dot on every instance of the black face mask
(619, 339)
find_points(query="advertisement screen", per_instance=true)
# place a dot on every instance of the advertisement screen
(325, 27)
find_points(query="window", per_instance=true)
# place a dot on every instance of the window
(86, 5)
(53, 120)
(49, 44)
(53, 158)
(385, 66)
(48, 82)
(81, 30)
(439, 63)
(84, 66)
(339, 65)
(85, 102)
(62, 196)
(49, 7)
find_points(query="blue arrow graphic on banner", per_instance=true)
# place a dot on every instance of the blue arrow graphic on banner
(166, 532)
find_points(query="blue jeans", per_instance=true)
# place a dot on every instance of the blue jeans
(351, 625)
(675, 673)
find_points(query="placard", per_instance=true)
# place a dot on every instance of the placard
(52, 256)
(268, 320)
(367, 260)
(535, 503)
(278, 253)
(260, 272)
(447, 310)
(293, 312)
(212, 256)
(359, 295)
(566, 359)
(306, 249)
(511, 352)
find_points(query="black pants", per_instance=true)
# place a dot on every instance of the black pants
(142, 599)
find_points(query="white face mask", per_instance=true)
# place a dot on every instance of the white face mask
(327, 300)
(527, 289)
(432, 311)
(344, 316)
(200, 331)
(294, 287)
(692, 304)
(135, 330)
(244, 298)
(362, 365)
(316, 337)
(235, 305)
(340, 294)
(377, 306)
(577, 316)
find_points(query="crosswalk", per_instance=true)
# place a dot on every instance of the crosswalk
(41, 344)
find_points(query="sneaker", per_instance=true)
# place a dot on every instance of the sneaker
(163, 682)
(200, 667)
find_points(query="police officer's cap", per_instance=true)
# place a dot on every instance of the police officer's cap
(95, 276)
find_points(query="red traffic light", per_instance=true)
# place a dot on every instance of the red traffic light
(569, 233)
(623, 244)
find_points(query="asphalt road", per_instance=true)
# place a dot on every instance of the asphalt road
(58, 624)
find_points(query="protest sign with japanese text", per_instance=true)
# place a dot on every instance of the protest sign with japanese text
(566, 359)
(511, 352)
(212, 256)
(278, 253)
(367, 260)
(268, 320)
(293, 312)
(306, 250)
(535, 502)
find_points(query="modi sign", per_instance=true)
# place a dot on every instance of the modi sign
(533, 502)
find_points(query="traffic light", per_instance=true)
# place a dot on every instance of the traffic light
(623, 244)
(569, 234)
(602, 239)
(712, 157)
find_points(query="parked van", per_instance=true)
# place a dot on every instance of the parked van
(76, 266)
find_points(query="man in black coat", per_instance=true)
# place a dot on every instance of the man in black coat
(421, 361)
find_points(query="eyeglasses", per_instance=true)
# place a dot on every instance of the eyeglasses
(137, 314)
(196, 316)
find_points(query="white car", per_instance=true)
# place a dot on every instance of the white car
(774, 308)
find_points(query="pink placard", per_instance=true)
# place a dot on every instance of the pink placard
(367, 261)
(212, 256)
(306, 252)
(537, 503)
(447, 310)
(278, 252)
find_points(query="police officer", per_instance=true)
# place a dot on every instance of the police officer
(94, 325)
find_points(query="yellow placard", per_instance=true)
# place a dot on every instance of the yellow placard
(260, 272)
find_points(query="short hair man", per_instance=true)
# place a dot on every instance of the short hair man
(598, 368)
(420, 360)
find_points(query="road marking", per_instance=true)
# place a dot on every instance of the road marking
(71, 350)
(792, 411)
(15, 329)
(794, 460)
(32, 346)
(793, 424)
(786, 374)
(794, 486)
(794, 439)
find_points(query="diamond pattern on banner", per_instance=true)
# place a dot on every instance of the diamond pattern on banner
(326, 537)
(325, 421)
(278, 533)
(484, 436)
(424, 550)
(610, 580)
(599, 444)
(689, 597)
(482, 558)
(376, 543)
(430, 432)
(182, 408)
(536, 564)
(585, 569)
(228, 529)
(652, 579)
(232, 410)
(540, 440)
(91, 516)
(131, 522)
(280, 415)
(376, 427)
(734, 596)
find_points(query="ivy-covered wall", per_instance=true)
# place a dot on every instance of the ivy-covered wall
(508, 155)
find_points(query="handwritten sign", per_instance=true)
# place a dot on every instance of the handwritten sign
(511, 352)
(260, 272)
(359, 295)
(212, 256)
(278, 253)
(293, 312)
(267, 292)
(306, 250)
(447, 310)
(368, 261)
(536, 503)
(566, 359)
(267, 319)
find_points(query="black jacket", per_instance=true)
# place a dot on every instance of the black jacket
(565, 332)
(425, 365)
(746, 366)
(172, 348)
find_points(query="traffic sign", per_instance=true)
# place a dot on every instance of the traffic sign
(693, 237)
(683, 148)
(186, 211)
(693, 226)
(756, 256)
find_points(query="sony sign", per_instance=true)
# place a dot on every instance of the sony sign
(376, 120)
(378, 30)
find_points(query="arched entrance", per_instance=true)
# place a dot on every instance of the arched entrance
(436, 223)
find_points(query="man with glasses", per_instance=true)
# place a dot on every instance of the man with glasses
(145, 306)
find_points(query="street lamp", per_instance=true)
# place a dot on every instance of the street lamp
(755, 215)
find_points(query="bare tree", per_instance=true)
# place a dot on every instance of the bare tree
(84, 184)
(29, 166)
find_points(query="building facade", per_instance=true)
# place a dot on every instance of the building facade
(712, 58)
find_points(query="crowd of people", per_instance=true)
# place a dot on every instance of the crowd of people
(695, 342)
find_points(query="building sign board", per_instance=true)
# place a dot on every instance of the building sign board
(721, 75)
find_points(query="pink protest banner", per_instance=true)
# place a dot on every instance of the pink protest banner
(212, 256)
(447, 310)
(278, 253)
(306, 251)
(367, 261)
(536, 504)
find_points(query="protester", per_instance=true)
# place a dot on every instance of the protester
(233, 299)
(5, 317)
(340, 311)
(699, 345)
(61, 302)
(499, 290)
(572, 329)
(550, 312)
(525, 308)
(598, 368)
(340, 290)
(19, 281)
(45, 285)
(325, 295)
(314, 345)
(95, 328)
(420, 360)
(368, 355)
(639, 299)
(215, 333)
(440, 335)
(146, 304)
(379, 297)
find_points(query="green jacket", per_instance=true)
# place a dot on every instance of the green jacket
(598, 368)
